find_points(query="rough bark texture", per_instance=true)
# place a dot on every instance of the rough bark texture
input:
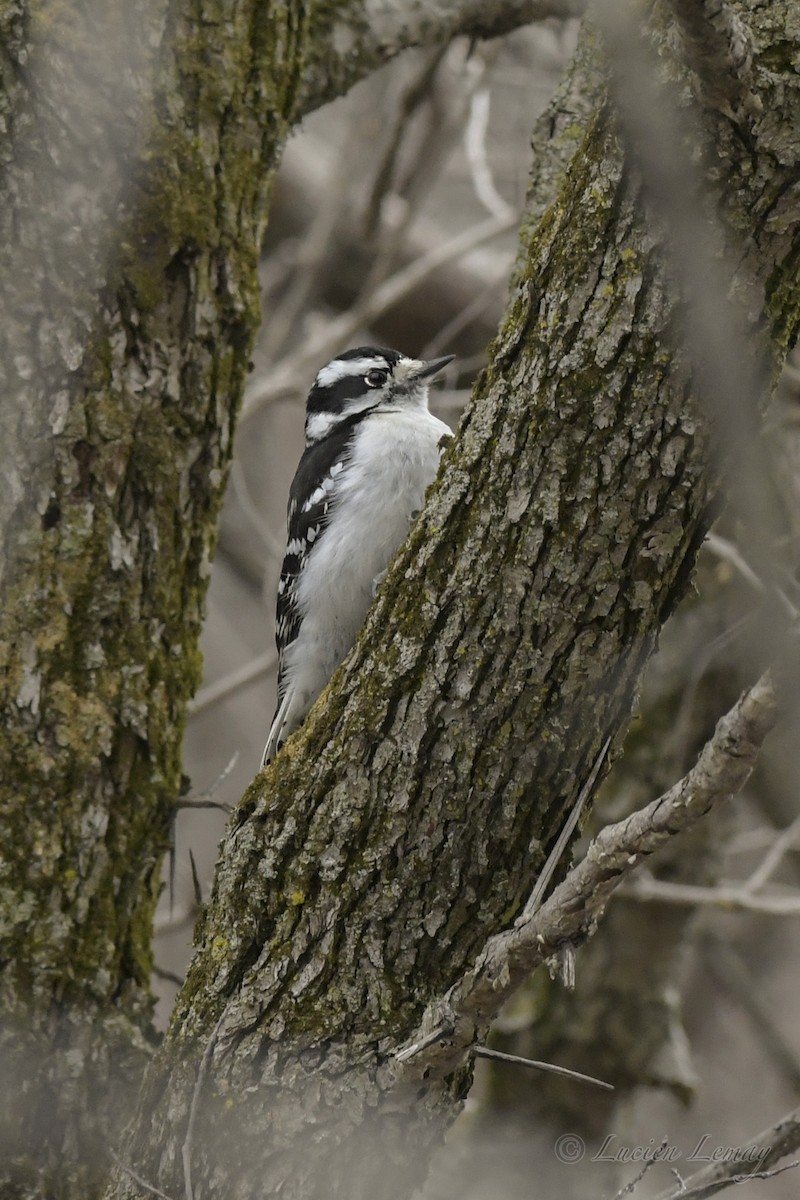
(137, 147)
(131, 225)
(408, 819)
(351, 39)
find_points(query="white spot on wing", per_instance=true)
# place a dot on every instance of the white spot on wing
(315, 497)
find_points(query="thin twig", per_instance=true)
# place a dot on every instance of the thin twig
(714, 1178)
(416, 93)
(632, 1184)
(196, 885)
(205, 799)
(218, 804)
(550, 1068)
(186, 1150)
(465, 316)
(272, 544)
(306, 268)
(730, 553)
(742, 1177)
(436, 1035)
(430, 142)
(335, 335)
(570, 913)
(218, 782)
(554, 857)
(477, 158)
(445, 1029)
(773, 858)
(755, 839)
(184, 916)
(167, 976)
(148, 1187)
(732, 898)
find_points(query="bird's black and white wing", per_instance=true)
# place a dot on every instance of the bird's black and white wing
(310, 500)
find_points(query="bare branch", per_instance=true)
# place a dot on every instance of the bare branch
(742, 896)
(632, 1184)
(722, 896)
(551, 1068)
(554, 857)
(477, 158)
(167, 976)
(726, 551)
(730, 553)
(209, 792)
(414, 95)
(571, 912)
(461, 319)
(185, 915)
(774, 857)
(147, 1187)
(273, 545)
(390, 26)
(197, 887)
(780, 1139)
(336, 334)
(186, 1151)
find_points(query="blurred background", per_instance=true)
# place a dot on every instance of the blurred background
(395, 223)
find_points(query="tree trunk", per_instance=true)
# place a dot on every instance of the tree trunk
(137, 148)
(408, 819)
(131, 222)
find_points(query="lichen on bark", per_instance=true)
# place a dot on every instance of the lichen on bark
(138, 156)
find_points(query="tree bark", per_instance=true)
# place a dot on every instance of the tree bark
(137, 150)
(408, 819)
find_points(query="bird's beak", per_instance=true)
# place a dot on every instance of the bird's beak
(427, 370)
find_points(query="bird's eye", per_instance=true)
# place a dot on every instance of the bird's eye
(376, 378)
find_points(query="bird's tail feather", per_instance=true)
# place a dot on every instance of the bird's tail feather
(277, 732)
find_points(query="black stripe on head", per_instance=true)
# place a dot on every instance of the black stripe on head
(333, 397)
(335, 384)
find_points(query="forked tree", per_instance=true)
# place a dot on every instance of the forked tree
(372, 893)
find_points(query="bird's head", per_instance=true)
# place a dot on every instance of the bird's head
(368, 378)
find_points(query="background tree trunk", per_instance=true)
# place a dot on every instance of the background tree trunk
(138, 149)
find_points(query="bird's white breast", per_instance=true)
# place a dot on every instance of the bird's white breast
(392, 460)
